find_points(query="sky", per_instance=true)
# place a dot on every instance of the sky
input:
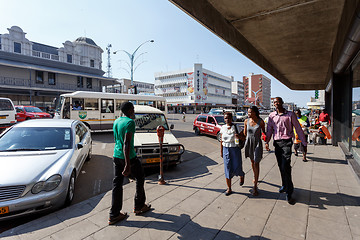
(179, 40)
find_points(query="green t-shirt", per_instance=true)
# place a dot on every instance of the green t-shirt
(121, 126)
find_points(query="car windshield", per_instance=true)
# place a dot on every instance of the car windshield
(35, 139)
(220, 120)
(32, 109)
(150, 121)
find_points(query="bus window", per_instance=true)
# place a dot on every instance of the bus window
(140, 102)
(161, 105)
(118, 104)
(77, 104)
(152, 104)
(91, 104)
(133, 101)
(107, 106)
(66, 109)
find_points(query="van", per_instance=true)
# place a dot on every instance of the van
(146, 141)
(7, 113)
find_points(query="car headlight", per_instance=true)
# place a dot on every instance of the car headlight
(49, 185)
(174, 148)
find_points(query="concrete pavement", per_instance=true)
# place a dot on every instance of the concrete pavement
(193, 205)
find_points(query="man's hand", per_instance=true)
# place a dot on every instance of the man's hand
(126, 171)
(267, 147)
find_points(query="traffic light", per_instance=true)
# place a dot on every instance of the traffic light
(316, 94)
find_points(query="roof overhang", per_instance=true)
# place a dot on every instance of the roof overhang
(299, 42)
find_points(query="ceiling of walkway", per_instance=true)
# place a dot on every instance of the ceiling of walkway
(297, 41)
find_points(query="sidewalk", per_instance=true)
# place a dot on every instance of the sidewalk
(193, 205)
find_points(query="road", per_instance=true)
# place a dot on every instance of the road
(96, 175)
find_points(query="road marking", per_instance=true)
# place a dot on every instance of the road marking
(83, 172)
(103, 146)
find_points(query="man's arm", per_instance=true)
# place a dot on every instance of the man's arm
(269, 129)
(298, 129)
(126, 149)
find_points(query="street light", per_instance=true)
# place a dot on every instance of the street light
(133, 60)
(255, 93)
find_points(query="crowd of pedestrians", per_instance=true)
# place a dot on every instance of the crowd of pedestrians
(285, 127)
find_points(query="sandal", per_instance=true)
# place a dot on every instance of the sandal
(255, 192)
(144, 209)
(242, 180)
(228, 192)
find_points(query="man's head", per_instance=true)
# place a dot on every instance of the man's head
(323, 110)
(278, 103)
(128, 109)
(298, 113)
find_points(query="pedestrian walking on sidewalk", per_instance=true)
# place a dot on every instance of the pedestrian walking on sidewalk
(126, 164)
(230, 152)
(298, 145)
(280, 126)
(253, 144)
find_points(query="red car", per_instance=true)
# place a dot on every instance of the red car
(209, 124)
(30, 112)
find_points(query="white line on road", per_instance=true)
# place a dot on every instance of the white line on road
(103, 146)
(97, 187)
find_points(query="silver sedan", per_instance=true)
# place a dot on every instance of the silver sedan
(40, 161)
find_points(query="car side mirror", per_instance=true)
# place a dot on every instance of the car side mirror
(80, 146)
(172, 126)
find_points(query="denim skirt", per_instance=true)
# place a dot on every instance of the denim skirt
(232, 162)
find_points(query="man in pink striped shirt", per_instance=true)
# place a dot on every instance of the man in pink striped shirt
(280, 125)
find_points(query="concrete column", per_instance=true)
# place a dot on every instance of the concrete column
(341, 98)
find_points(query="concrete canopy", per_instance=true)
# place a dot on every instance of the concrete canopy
(299, 42)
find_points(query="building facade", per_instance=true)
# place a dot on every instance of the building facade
(257, 90)
(123, 85)
(32, 73)
(195, 89)
(237, 90)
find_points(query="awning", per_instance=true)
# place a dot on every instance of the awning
(51, 69)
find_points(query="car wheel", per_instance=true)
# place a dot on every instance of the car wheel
(197, 131)
(218, 136)
(71, 190)
(89, 156)
(27, 118)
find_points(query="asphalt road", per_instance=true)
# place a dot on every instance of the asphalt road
(96, 175)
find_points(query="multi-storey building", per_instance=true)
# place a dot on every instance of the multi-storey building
(257, 90)
(123, 86)
(237, 90)
(194, 89)
(34, 73)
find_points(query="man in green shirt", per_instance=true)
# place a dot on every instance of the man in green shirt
(126, 164)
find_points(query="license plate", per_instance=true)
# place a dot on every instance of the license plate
(152, 160)
(2, 117)
(4, 210)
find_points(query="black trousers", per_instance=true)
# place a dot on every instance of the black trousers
(137, 173)
(283, 157)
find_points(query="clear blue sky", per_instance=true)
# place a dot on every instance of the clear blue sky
(180, 41)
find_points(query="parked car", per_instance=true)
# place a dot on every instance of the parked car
(41, 160)
(30, 112)
(218, 111)
(208, 124)
(241, 116)
(7, 113)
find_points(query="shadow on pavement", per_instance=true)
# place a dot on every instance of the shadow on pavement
(182, 226)
(323, 160)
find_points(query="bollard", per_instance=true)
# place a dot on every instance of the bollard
(160, 132)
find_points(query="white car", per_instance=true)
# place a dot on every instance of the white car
(7, 113)
(241, 116)
(41, 159)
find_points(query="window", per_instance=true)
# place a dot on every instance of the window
(77, 104)
(39, 76)
(118, 104)
(107, 106)
(17, 47)
(88, 82)
(80, 82)
(69, 58)
(5, 105)
(51, 78)
(92, 63)
(201, 118)
(91, 104)
(211, 120)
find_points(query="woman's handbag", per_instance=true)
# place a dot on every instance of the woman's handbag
(241, 138)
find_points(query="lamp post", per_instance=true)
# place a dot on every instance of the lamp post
(255, 93)
(133, 60)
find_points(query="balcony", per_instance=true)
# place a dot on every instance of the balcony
(45, 55)
(26, 84)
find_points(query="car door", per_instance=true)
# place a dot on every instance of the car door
(79, 152)
(210, 125)
(202, 123)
